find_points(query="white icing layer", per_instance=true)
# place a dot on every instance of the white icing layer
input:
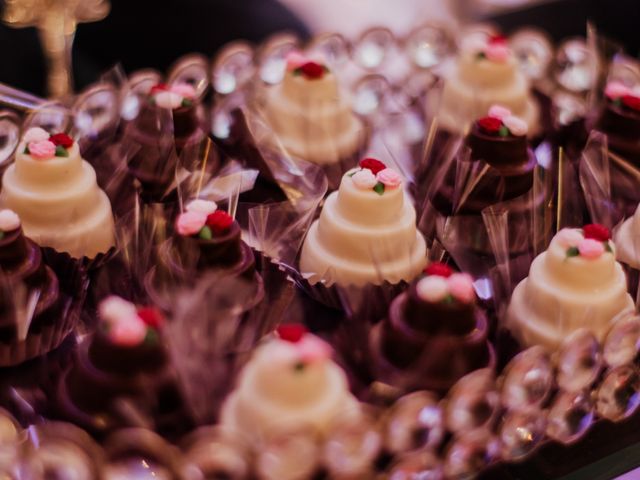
(312, 119)
(272, 395)
(362, 236)
(562, 294)
(59, 203)
(627, 241)
(473, 85)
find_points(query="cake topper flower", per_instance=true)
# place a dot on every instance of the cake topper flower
(501, 122)
(442, 284)
(9, 221)
(591, 242)
(43, 146)
(128, 326)
(495, 49)
(203, 219)
(173, 96)
(303, 347)
(311, 68)
(622, 96)
(375, 175)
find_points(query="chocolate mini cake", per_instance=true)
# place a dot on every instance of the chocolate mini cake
(434, 334)
(161, 141)
(506, 155)
(21, 263)
(210, 239)
(124, 361)
(619, 119)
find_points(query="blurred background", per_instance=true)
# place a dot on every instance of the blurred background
(151, 33)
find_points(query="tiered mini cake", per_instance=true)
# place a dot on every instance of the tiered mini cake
(485, 73)
(21, 265)
(214, 237)
(55, 193)
(619, 118)
(434, 334)
(125, 360)
(499, 150)
(310, 117)
(575, 283)
(167, 123)
(366, 232)
(290, 382)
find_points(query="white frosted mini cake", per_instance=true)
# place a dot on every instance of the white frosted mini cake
(366, 232)
(310, 117)
(55, 193)
(485, 73)
(575, 283)
(290, 382)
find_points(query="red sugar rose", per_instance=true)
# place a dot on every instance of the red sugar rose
(596, 232)
(291, 332)
(490, 124)
(372, 164)
(160, 87)
(497, 39)
(631, 101)
(439, 269)
(61, 139)
(151, 317)
(312, 70)
(219, 221)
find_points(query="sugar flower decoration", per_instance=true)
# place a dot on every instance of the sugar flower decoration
(9, 221)
(590, 242)
(623, 96)
(494, 49)
(375, 175)
(303, 347)
(196, 222)
(501, 122)
(308, 67)
(173, 96)
(127, 326)
(442, 284)
(42, 146)
(202, 206)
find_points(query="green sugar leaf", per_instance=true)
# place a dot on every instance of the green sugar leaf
(573, 252)
(61, 151)
(299, 367)
(26, 150)
(607, 247)
(151, 338)
(481, 56)
(504, 131)
(205, 233)
(186, 102)
(379, 188)
(1, 234)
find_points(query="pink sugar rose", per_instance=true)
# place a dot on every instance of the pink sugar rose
(112, 309)
(185, 90)
(312, 349)
(190, 223)
(166, 99)
(432, 288)
(389, 178)
(202, 206)
(461, 287)
(42, 150)
(36, 134)
(516, 125)
(499, 112)
(295, 59)
(615, 90)
(364, 179)
(497, 52)
(569, 237)
(9, 220)
(590, 248)
(128, 332)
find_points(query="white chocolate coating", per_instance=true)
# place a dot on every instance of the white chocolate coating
(272, 395)
(362, 236)
(473, 85)
(562, 294)
(312, 119)
(59, 203)
(627, 240)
